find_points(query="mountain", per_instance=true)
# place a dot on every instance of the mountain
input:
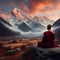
(18, 22)
(56, 27)
(14, 16)
(18, 14)
(43, 20)
(36, 26)
(57, 23)
(24, 27)
(2, 20)
(6, 30)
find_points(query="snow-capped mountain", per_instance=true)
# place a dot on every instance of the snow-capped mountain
(18, 14)
(7, 30)
(43, 20)
(36, 26)
(16, 21)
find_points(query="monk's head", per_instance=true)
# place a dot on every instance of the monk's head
(49, 26)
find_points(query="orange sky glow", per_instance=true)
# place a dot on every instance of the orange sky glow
(48, 8)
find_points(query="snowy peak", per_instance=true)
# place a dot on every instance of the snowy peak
(18, 14)
(43, 20)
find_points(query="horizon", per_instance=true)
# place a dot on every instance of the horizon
(33, 7)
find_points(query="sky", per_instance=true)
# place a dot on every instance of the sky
(48, 8)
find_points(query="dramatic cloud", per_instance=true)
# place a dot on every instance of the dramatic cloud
(34, 7)
(44, 5)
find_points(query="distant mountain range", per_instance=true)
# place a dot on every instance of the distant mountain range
(36, 26)
(43, 20)
(17, 24)
(17, 14)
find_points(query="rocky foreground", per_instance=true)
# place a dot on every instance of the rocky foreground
(27, 50)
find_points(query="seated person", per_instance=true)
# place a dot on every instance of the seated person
(48, 40)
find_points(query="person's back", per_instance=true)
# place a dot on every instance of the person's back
(48, 40)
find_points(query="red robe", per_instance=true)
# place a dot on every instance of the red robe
(48, 40)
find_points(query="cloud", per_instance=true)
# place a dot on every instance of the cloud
(2, 10)
(54, 17)
(43, 5)
(35, 7)
(11, 4)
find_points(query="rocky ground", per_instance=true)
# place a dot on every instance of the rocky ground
(24, 50)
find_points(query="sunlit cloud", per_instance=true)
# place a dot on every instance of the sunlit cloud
(49, 8)
(36, 7)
